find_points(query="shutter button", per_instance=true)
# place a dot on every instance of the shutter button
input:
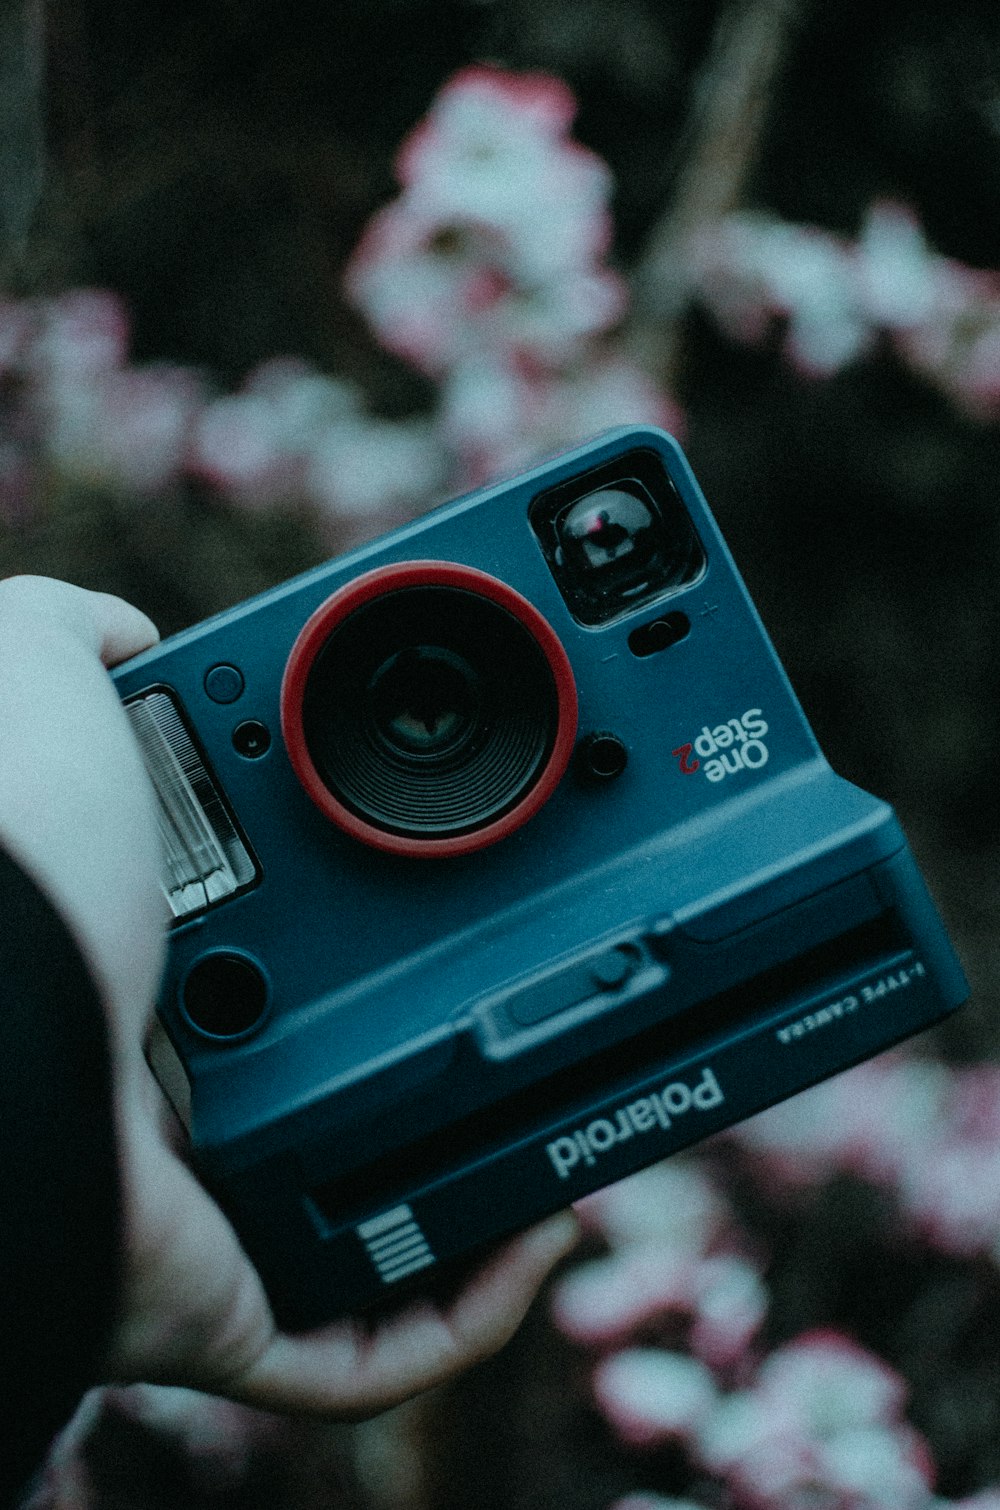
(610, 971)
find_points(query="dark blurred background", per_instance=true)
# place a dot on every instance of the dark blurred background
(215, 165)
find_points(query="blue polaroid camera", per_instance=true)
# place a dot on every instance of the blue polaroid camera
(503, 863)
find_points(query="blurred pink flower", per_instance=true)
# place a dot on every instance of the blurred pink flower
(973, 1105)
(973, 378)
(753, 269)
(79, 333)
(436, 293)
(676, 1203)
(822, 1425)
(928, 1134)
(896, 271)
(491, 416)
(238, 447)
(610, 390)
(957, 345)
(494, 151)
(493, 248)
(650, 1396)
(835, 298)
(728, 1307)
(376, 471)
(130, 429)
(76, 405)
(833, 1381)
(498, 416)
(722, 1300)
(806, 1139)
(418, 287)
(257, 447)
(899, 1104)
(606, 1301)
(667, 1228)
(304, 402)
(952, 1196)
(872, 1121)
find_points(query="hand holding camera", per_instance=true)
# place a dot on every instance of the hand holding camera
(76, 810)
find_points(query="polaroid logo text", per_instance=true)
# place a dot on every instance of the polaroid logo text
(645, 1114)
(736, 745)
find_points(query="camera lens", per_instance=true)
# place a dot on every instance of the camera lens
(428, 709)
(423, 701)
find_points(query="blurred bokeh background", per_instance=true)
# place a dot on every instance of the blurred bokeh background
(276, 277)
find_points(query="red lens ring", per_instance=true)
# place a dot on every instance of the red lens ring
(375, 584)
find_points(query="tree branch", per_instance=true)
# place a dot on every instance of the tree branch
(733, 99)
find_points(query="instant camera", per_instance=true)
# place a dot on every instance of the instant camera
(503, 862)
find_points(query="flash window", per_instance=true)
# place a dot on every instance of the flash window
(617, 538)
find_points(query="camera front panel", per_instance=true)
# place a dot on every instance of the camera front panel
(462, 813)
(591, 736)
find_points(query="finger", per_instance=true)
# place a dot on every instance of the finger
(115, 629)
(193, 1311)
(345, 1373)
(123, 630)
(492, 1306)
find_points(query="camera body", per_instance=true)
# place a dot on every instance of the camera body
(503, 863)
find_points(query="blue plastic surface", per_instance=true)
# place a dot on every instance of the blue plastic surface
(398, 1080)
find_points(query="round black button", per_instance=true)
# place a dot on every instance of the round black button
(224, 684)
(601, 757)
(251, 739)
(225, 995)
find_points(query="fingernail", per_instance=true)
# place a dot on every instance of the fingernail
(555, 1236)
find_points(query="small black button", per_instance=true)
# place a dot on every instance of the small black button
(251, 739)
(224, 684)
(601, 756)
(660, 634)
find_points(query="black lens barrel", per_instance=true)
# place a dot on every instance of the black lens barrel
(430, 711)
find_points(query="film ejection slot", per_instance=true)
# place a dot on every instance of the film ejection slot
(205, 859)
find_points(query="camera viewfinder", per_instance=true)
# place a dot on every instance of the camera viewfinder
(616, 538)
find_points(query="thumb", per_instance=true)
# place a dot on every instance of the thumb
(108, 625)
(123, 630)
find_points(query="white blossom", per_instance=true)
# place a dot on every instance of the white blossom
(650, 1395)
